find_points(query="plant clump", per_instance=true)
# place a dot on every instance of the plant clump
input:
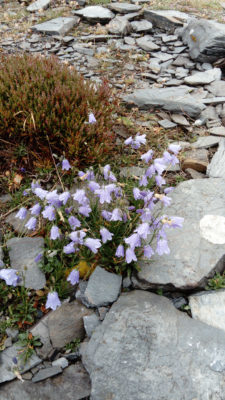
(47, 107)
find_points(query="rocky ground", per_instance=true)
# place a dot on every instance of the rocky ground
(143, 346)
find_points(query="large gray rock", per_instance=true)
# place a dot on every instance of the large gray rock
(124, 8)
(209, 307)
(103, 288)
(57, 26)
(203, 78)
(192, 256)
(172, 99)
(205, 39)
(73, 384)
(22, 254)
(216, 168)
(146, 348)
(66, 324)
(38, 5)
(7, 365)
(205, 142)
(217, 88)
(95, 14)
(167, 20)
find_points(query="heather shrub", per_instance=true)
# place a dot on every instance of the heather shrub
(45, 104)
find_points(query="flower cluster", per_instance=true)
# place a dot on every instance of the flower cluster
(124, 229)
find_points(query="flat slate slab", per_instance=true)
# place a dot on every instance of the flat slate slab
(193, 257)
(216, 168)
(203, 78)
(176, 99)
(22, 254)
(39, 5)
(124, 8)
(167, 20)
(95, 14)
(57, 26)
(147, 349)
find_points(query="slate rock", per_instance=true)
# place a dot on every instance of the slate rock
(66, 324)
(167, 20)
(119, 26)
(124, 8)
(214, 100)
(147, 347)
(205, 39)
(203, 78)
(41, 330)
(39, 5)
(90, 323)
(217, 88)
(46, 373)
(205, 142)
(216, 168)
(60, 362)
(212, 228)
(22, 254)
(192, 258)
(7, 365)
(18, 224)
(196, 159)
(175, 99)
(166, 124)
(141, 26)
(103, 288)
(217, 131)
(145, 43)
(180, 119)
(208, 307)
(57, 26)
(95, 14)
(73, 384)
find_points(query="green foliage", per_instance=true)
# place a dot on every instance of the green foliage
(217, 282)
(28, 342)
(73, 346)
(44, 103)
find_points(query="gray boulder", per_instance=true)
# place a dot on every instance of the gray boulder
(146, 348)
(194, 255)
(119, 26)
(205, 39)
(172, 99)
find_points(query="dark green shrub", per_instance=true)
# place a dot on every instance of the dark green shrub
(42, 102)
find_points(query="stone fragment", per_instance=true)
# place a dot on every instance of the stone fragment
(5, 198)
(205, 142)
(90, 323)
(66, 323)
(60, 362)
(7, 365)
(210, 113)
(169, 38)
(180, 119)
(57, 26)
(103, 288)
(18, 224)
(192, 258)
(141, 26)
(196, 159)
(216, 168)
(175, 99)
(214, 100)
(166, 124)
(208, 307)
(124, 8)
(217, 131)
(95, 14)
(39, 5)
(12, 333)
(195, 174)
(154, 65)
(22, 254)
(166, 20)
(181, 61)
(163, 57)
(46, 373)
(212, 228)
(145, 43)
(217, 88)
(203, 78)
(83, 50)
(143, 329)
(205, 39)
(119, 26)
